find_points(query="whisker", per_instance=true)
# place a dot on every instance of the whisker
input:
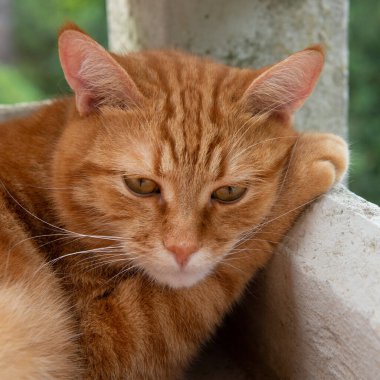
(56, 227)
(51, 262)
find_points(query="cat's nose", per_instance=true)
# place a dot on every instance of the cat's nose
(182, 251)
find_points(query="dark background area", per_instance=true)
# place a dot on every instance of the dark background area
(30, 69)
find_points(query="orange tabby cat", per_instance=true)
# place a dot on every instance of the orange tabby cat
(133, 216)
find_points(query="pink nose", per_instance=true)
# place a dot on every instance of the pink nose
(182, 252)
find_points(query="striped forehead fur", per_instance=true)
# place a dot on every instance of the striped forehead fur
(196, 98)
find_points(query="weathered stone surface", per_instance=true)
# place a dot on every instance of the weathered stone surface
(247, 33)
(319, 315)
(20, 109)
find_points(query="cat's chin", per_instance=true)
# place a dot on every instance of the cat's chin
(179, 279)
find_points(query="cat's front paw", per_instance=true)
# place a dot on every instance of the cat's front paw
(325, 160)
(333, 162)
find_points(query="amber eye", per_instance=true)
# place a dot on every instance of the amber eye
(227, 194)
(142, 186)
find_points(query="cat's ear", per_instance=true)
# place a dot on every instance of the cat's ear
(284, 87)
(93, 74)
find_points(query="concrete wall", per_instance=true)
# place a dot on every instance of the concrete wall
(250, 33)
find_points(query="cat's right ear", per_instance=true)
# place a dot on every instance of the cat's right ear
(284, 87)
(93, 74)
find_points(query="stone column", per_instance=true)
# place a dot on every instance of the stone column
(6, 37)
(246, 33)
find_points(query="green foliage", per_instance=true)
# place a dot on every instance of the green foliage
(16, 87)
(364, 112)
(36, 24)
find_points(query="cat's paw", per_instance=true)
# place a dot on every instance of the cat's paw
(324, 160)
(333, 157)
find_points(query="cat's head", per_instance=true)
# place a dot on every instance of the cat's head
(173, 156)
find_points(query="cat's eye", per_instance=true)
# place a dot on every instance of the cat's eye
(142, 186)
(228, 194)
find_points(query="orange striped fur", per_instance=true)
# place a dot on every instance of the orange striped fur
(115, 303)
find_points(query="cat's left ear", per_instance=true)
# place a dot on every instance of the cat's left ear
(93, 74)
(284, 87)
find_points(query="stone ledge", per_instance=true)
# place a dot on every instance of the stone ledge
(19, 109)
(316, 311)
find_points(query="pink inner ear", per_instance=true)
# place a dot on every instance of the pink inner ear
(92, 73)
(285, 86)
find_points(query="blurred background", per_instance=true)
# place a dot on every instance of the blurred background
(30, 70)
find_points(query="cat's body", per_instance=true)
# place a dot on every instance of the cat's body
(164, 268)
